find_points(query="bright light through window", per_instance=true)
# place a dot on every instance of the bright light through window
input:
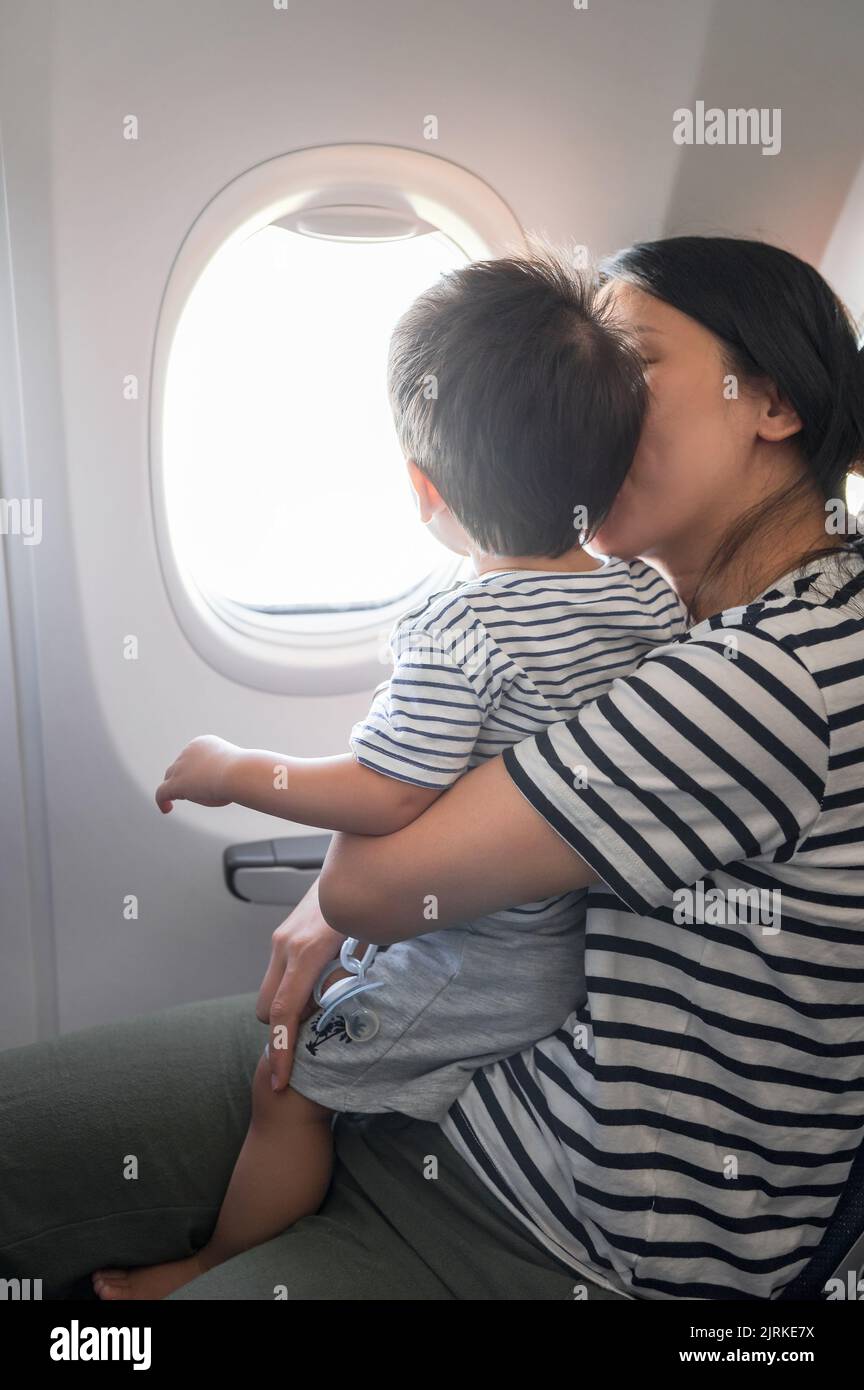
(284, 480)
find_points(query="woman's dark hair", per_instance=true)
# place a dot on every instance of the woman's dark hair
(515, 393)
(776, 319)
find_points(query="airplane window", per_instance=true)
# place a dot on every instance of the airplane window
(285, 486)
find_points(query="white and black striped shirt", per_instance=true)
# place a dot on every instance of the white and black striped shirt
(688, 1132)
(488, 663)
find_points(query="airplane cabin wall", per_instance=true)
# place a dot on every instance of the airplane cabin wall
(565, 114)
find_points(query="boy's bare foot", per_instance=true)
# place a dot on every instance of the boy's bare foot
(150, 1282)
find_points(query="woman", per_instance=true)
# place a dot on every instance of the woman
(688, 1133)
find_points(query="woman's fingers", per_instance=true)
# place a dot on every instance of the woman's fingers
(284, 1024)
(271, 982)
(302, 946)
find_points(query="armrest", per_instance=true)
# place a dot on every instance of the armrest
(274, 871)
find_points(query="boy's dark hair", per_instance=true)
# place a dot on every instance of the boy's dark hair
(519, 399)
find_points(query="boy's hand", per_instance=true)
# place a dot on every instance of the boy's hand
(200, 774)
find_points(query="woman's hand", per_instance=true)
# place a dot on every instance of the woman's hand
(200, 774)
(302, 946)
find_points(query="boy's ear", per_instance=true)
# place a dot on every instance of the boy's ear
(429, 499)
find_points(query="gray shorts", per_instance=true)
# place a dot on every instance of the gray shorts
(451, 1002)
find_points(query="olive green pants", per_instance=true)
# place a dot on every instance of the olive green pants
(117, 1144)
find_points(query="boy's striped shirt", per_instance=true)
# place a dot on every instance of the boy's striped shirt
(494, 660)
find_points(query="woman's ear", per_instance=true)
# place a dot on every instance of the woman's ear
(777, 418)
(429, 499)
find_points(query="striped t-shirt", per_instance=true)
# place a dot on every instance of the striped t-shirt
(484, 665)
(687, 1133)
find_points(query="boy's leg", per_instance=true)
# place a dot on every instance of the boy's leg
(117, 1142)
(281, 1175)
(387, 1232)
(167, 1096)
(283, 1171)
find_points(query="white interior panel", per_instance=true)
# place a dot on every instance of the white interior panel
(567, 117)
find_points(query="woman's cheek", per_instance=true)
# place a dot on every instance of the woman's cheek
(627, 528)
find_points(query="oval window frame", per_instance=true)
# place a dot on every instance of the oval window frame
(462, 206)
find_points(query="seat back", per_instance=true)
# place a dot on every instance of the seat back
(841, 1249)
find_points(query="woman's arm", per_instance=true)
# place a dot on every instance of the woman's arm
(480, 848)
(693, 761)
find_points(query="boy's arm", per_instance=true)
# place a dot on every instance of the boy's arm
(426, 717)
(336, 793)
